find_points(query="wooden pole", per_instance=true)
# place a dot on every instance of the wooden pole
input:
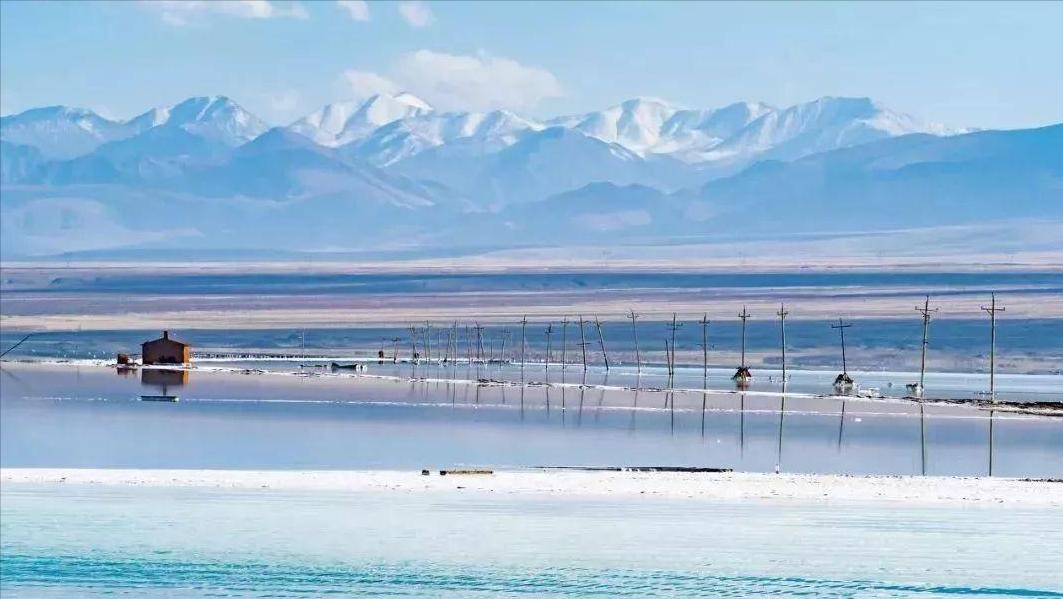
(601, 341)
(744, 316)
(564, 343)
(782, 332)
(413, 345)
(992, 309)
(549, 331)
(523, 327)
(925, 311)
(635, 333)
(841, 326)
(583, 342)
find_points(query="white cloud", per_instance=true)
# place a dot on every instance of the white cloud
(179, 12)
(366, 83)
(416, 13)
(357, 9)
(482, 82)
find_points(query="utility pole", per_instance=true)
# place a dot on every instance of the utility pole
(479, 342)
(705, 346)
(413, 344)
(671, 361)
(453, 353)
(601, 341)
(841, 326)
(468, 345)
(583, 342)
(505, 335)
(523, 327)
(926, 312)
(635, 331)
(395, 349)
(992, 309)
(427, 341)
(744, 316)
(549, 331)
(564, 343)
(782, 332)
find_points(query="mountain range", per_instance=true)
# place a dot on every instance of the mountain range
(393, 173)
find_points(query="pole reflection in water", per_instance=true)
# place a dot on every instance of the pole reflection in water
(40, 402)
(922, 438)
(991, 413)
(782, 414)
(635, 405)
(841, 426)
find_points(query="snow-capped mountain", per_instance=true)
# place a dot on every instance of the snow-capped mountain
(216, 118)
(476, 133)
(821, 125)
(61, 132)
(345, 122)
(399, 170)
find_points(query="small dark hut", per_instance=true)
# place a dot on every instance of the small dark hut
(166, 351)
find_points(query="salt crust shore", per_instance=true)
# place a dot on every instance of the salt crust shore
(944, 491)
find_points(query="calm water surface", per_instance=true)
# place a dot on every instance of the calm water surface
(92, 417)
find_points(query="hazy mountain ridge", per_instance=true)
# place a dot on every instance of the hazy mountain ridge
(392, 172)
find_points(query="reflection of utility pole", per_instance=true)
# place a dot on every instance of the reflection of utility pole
(635, 331)
(601, 341)
(782, 333)
(992, 309)
(705, 346)
(925, 311)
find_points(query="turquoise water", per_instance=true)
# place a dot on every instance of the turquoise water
(94, 541)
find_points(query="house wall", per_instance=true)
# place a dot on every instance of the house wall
(165, 351)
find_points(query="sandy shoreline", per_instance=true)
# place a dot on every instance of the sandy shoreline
(953, 491)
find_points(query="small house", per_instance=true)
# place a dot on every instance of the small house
(165, 351)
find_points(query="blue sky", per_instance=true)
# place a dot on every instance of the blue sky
(979, 64)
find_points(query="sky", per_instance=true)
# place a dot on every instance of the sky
(990, 65)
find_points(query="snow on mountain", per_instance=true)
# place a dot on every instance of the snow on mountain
(821, 125)
(215, 118)
(477, 132)
(345, 122)
(652, 126)
(635, 124)
(60, 132)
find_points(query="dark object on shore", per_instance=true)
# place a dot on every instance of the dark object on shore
(425, 472)
(843, 380)
(122, 359)
(697, 469)
(336, 366)
(466, 471)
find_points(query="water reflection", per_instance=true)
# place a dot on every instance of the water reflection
(275, 421)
